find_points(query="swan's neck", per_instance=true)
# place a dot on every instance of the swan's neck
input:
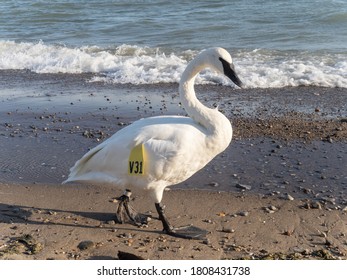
(217, 126)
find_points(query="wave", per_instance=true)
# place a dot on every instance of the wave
(145, 65)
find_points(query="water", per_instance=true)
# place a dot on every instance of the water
(273, 43)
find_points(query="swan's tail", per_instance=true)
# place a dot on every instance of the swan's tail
(78, 170)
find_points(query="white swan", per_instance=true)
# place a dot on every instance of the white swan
(156, 152)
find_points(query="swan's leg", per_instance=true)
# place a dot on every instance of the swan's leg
(126, 213)
(188, 232)
(162, 217)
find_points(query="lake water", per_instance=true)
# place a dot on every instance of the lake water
(273, 43)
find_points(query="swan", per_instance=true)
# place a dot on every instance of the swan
(156, 152)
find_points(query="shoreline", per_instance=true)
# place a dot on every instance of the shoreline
(296, 152)
(288, 151)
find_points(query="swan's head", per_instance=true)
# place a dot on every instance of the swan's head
(220, 60)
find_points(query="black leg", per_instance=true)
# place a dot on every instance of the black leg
(126, 213)
(160, 209)
(187, 232)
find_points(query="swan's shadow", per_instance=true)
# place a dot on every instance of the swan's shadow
(19, 214)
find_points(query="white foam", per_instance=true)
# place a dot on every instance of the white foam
(145, 69)
(273, 70)
(143, 65)
(42, 58)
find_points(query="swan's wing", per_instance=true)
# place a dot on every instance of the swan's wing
(177, 157)
(174, 148)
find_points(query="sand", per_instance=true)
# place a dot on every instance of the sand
(56, 219)
(278, 192)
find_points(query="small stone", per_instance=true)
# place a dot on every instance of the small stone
(86, 134)
(243, 187)
(84, 245)
(36, 248)
(289, 197)
(214, 184)
(271, 209)
(328, 242)
(316, 205)
(206, 242)
(243, 213)
(288, 232)
(125, 235)
(221, 214)
(307, 205)
(228, 230)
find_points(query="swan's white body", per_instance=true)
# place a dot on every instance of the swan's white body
(176, 146)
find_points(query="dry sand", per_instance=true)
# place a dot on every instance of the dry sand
(279, 190)
(50, 222)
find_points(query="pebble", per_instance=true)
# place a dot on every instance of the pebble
(271, 209)
(84, 245)
(36, 248)
(125, 235)
(228, 230)
(289, 197)
(243, 213)
(214, 184)
(243, 187)
(316, 205)
(206, 242)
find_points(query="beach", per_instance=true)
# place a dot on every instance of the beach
(279, 191)
(76, 222)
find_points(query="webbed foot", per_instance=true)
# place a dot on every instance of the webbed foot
(127, 214)
(187, 232)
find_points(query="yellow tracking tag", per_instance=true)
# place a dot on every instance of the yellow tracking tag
(137, 159)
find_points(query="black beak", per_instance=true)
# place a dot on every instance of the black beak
(229, 71)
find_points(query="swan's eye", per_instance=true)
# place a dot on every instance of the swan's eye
(227, 66)
(224, 61)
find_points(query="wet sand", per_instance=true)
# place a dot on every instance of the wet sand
(278, 191)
